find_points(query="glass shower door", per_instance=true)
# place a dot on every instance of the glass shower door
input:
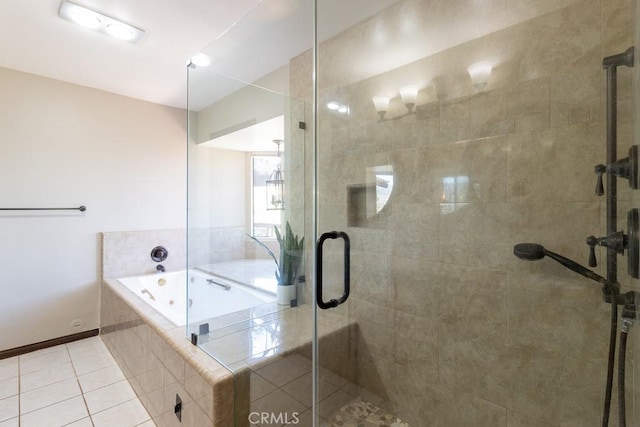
(446, 133)
(363, 222)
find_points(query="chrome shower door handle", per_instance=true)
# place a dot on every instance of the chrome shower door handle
(347, 267)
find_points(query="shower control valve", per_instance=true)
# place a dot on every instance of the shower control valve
(616, 241)
(627, 168)
(600, 170)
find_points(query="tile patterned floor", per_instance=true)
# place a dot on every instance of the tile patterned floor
(359, 413)
(284, 387)
(77, 384)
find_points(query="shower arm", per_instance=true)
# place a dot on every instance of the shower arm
(534, 252)
(610, 290)
(583, 271)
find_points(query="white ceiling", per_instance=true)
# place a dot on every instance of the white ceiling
(252, 138)
(34, 39)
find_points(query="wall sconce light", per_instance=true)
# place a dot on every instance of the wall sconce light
(480, 73)
(409, 95)
(381, 104)
(275, 185)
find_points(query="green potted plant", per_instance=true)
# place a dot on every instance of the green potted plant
(287, 264)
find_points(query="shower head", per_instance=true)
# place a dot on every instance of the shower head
(534, 252)
(529, 251)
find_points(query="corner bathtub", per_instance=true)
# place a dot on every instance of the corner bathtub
(208, 296)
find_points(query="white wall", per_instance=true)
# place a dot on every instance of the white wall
(66, 145)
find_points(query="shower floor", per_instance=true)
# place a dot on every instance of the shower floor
(359, 413)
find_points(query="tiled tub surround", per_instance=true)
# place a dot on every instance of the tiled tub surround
(127, 253)
(453, 329)
(267, 373)
(159, 362)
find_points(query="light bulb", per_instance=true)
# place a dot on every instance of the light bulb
(480, 73)
(200, 60)
(381, 104)
(84, 17)
(120, 31)
(409, 94)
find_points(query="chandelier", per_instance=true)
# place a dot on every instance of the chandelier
(275, 185)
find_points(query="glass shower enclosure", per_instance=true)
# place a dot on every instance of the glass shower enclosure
(420, 141)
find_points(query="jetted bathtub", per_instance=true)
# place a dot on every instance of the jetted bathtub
(208, 296)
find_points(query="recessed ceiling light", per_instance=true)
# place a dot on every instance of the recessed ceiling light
(85, 17)
(200, 60)
(333, 105)
(120, 31)
(100, 22)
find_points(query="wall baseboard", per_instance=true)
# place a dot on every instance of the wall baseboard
(4, 354)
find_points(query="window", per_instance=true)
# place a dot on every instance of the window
(262, 220)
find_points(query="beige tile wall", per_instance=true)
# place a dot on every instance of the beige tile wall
(127, 253)
(452, 328)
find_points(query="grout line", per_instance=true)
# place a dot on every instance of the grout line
(82, 393)
(73, 366)
(115, 406)
(19, 391)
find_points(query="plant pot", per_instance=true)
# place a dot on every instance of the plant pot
(286, 294)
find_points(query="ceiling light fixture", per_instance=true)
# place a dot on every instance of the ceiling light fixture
(97, 21)
(85, 17)
(120, 31)
(200, 60)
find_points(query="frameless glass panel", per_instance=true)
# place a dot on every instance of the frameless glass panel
(247, 303)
